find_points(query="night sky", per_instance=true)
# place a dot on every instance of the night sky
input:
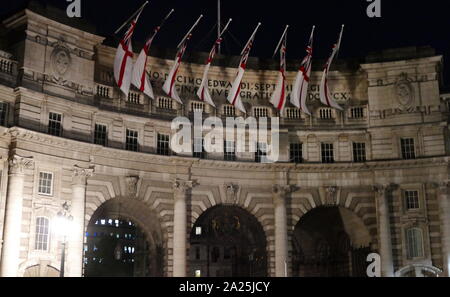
(403, 23)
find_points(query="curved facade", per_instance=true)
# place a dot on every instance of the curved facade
(68, 135)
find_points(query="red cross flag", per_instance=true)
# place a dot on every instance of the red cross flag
(169, 84)
(325, 94)
(203, 92)
(140, 77)
(278, 98)
(300, 88)
(234, 95)
(123, 61)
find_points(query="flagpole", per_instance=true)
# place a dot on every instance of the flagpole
(281, 39)
(251, 37)
(218, 24)
(340, 39)
(190, 30)
(161, 24)
(225, 28)
(131, 17)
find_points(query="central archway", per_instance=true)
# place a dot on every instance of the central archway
(330, 242)
(227, 241)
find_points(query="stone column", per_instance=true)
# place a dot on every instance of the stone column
(75, 240)
(385, 244)
(281, 240)
(13, 215)
(180, 192)
(444, 215)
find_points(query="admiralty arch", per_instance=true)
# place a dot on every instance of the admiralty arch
(372, 179)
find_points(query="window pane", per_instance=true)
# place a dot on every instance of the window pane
(327, 153)
(42, 234)
(54, 124)
(45, 183)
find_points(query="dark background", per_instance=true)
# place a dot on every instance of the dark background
(403, 23)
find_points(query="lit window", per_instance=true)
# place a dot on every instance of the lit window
(55, 124)
(163, 145)
(45, 183)
(327, 153)
(132, 142)
(359, 152)
(42, 234)
(102, 222)
(198, 230)
(412, 200)
(414, 243)
(408, 150)
(198, 273)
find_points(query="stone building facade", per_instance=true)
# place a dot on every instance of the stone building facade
(69, 135)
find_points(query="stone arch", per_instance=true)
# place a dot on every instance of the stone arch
(257, 202)
(424, 270)
(361, 203)
(36, 267)
(143, 205)
(243, 221)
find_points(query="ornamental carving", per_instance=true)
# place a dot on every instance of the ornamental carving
(60, 60)
(404, 92)
(231, 193)
(131, 183)
(331, 196)
(181, 187)
(80, 175)
(18, 164)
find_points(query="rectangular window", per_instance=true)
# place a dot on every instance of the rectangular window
(357, 113)
(42, 234)
(261, 152)
(229, 151)
(132, 142)
(412, 200)
(3, 114)
(199, 150)
(295, 153)
(408, 150)
(45, 183)
(327, 153)
(54, 124)
(325, 114)
(359, 152)
(101, 134)
(229, 110)
(197, 253)
(414, 243)
(162, 147)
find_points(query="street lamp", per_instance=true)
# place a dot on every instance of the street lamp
(62, 226)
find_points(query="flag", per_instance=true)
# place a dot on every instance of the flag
(300, 88)
(325, 94)
(278, 98)
(203, 93)
(169, 85)
(140, 77)
(123, 61)
(234, 95)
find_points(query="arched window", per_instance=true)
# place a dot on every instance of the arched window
(42, 234)
(414, 243)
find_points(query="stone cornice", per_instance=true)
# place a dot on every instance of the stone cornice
(111, 153)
